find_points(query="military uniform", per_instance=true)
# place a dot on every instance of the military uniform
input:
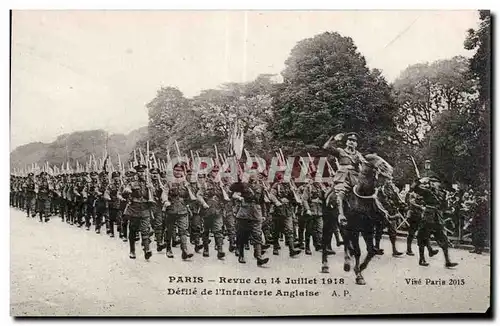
(92, 191)
(249, 218)
(282, 214)
(177, 214)
(115, 213)
(210, 196)
(139, 213)
(31, 189)
(157, 210)
(432, 202)
(45, 188)
(101, 203)
(349, 160)
(313, 198)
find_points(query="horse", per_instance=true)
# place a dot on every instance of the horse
(365, 206)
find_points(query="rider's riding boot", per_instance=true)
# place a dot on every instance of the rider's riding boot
(421, 254)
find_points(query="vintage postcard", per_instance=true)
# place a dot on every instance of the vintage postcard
(250, 163)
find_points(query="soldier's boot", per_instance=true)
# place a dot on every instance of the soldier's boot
(197, 245)
(433, 252)
(232, 245)
(159, 246)
(409, 251)
(276, 251)
(339, 242)
(184, 248)
(308, 248)
(476, 250)
(293, 252)
(421, 254)
(220, 252)
(448, 263)
(147, 251)
(206, 252)
(247, 246)
(378, 251)
(257, 252)
(132, 249)
(241, 254)
(395, 252)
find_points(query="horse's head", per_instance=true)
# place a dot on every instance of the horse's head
(381, 173)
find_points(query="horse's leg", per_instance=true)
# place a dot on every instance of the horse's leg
(370, 249)
(357, 256)
(346, 235)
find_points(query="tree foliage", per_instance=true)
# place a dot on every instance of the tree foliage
(329, 89)
(422, 91)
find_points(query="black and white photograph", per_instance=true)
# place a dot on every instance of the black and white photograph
(250, 162)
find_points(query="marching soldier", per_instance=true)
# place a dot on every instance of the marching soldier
(139, 211)
(115, 213)
(45, 188)
(249, 218)
(211, 196)
(101, 203)
(195, 221)
(80, 198)
(432, 203)
(313, 198)
(283, 198)
(158, 216)
(92, 190)
(228, 217)
(130, 176)
(176, 210)
(31, 190)
(69, 191)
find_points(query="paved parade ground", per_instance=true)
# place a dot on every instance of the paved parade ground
(58, 269)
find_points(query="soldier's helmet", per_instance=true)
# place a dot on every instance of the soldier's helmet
(31, 174)
(115, 174)
(154, 171)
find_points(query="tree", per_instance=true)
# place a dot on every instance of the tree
(328, 89)
(480, 63)
(168, 113)
(422, 91)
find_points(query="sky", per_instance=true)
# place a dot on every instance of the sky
(83, 70)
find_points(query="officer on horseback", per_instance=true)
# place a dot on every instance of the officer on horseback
(349, 160)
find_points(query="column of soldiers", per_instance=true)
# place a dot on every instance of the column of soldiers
(143, 202)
